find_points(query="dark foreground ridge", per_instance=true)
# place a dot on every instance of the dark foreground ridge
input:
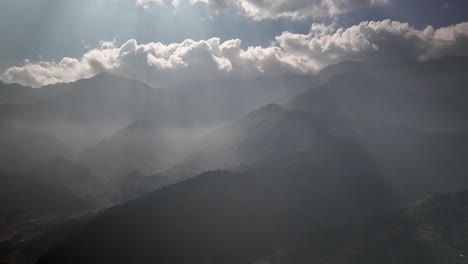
(226, 217)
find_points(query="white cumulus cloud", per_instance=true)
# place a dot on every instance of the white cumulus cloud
(161, 64)
(157, 64)
(325, 45)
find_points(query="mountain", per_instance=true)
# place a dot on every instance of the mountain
(143, 145)
(39, 206)
(90, 116)
(24, 193)
(266, 136)
(350, 107)
(88, 122)
(413, 162)
(135, 184)
(224, 101)
(86, 113)
(22, 149)
(17, 94)
(428, 96)
(63, 173)
(52, 186)
(387, 110)
(276, 215)
(270, 134)
(227, 217)
(321, 177)
(432, 230)
(94, 109)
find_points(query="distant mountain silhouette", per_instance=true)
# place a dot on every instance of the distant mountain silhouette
(90, 111)
(430, 96)
(93, 109)
(427, 96)
(225, 101)
(17, 94)
(143, 145)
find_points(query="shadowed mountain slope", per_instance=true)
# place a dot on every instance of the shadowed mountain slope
(430, 96)
(224, 217)
(433, 230)
(414, 163)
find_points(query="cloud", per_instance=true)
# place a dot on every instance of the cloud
(161, 64)
(299, 9)
(325, 45)
(43, 73)
(150, 3)
(157, 64)
(274, 9)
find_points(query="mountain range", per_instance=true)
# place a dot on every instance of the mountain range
(295, 214)
(291, 169)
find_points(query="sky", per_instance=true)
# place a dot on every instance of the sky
(158, 41)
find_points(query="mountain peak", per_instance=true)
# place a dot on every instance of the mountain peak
(110, 75)
(266, 110)
(103, 76)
